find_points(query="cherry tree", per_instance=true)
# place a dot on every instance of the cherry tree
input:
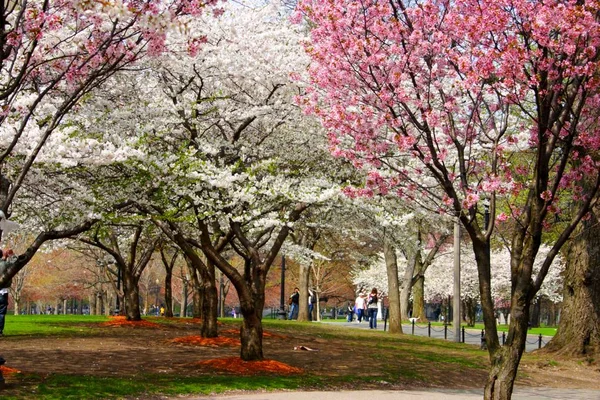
(487, 100)
(212, 162)
(55, 53)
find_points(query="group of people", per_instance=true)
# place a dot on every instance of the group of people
(294, 302)
(365, 306)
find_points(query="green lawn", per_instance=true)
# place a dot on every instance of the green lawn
(41, 325)
(394, 361)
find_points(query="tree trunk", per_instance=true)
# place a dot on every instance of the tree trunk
(405, 290)
(251, 335)
(197, 299)
(418, 291)
(391, 266)
(536, 311)
(131, 296)
(505, 360)
(303, 283)
(470, 306)
(17, 310)
(169, 293)
(209, 303)
(578, 331)
(184, 298)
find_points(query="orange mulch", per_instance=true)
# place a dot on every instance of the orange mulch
(8, 371)
(210, 342)
(238, 366)
(230, 332)
(122, 321)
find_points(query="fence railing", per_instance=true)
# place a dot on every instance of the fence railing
(464, 333)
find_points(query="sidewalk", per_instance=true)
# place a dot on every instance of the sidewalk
(472, 336)
(440, 394)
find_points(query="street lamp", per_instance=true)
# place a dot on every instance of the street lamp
(282, 313)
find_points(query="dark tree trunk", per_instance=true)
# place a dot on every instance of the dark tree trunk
(536, 313)
(578, 331)
(470, 307)
(169, 265)
(391, 267)
(251, 334)
(169, 293)
(505, 360)
(210, 303)
(131, 296)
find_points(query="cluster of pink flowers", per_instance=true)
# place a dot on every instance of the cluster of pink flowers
(452, 85)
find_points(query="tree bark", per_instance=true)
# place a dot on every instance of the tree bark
(505, 360)
(391, 267)
(303, 283)
(131, 297)
(251, 334)
(209, 303)
(418, 291)
(405, 290)
(578, 331)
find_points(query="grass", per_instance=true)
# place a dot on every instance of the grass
(42, 325)
(544, 331)
(397, 359)
(57, 387)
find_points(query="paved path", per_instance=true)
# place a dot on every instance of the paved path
(519, 394)
(472, 336)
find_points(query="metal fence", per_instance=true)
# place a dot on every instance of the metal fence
(426, 329)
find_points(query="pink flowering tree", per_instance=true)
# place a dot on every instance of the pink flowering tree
(465, 103)
(55, 53)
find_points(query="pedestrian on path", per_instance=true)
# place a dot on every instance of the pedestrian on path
(372, 305)
(360, 306)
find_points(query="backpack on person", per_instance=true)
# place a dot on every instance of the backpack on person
(372, 300)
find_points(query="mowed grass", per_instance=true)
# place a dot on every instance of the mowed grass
(42, 325)
(383, 361)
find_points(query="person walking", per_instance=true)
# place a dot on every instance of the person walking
(372, 304)
(312, 298)
(294, 302)
(350, 309)
(4, 256)
(360, 307)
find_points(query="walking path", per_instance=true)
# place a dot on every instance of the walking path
(439, 394)
(472, 336)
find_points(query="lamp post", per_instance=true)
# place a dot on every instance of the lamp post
(282, 297)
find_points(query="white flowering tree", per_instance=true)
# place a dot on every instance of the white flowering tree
(223, 160)
(440, 274)
(54, 54)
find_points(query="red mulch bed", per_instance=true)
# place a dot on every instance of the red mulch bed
(237, 366)
(8, 371)
(116, 321)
